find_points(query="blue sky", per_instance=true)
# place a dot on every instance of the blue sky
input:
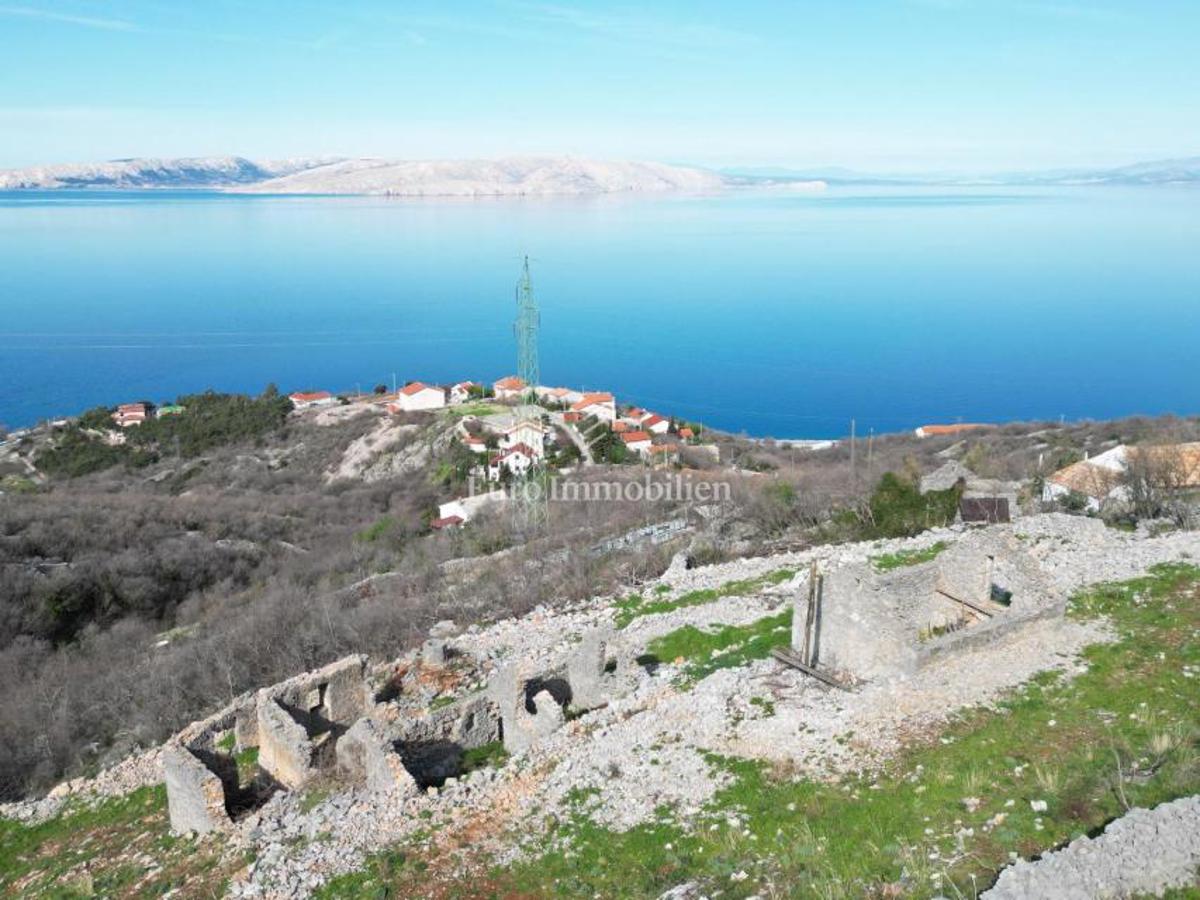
(962, 85)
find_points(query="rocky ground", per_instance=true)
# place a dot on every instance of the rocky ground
(653, 747)
(1144, 852)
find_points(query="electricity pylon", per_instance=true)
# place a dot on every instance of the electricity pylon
(530, 508)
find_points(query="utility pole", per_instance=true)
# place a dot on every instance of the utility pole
(530, 509)
(870, 451)
(393, 382)
(853, 469)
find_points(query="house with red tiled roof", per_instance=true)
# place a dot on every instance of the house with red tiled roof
(686, 433)
(637, 441)
(516, 459)
(656, 424)
(475, 444)
(509, 388)
(309, 399)
(599, 404)
(129, 414)
(1101, 478)
(415, 396)
(946, 430)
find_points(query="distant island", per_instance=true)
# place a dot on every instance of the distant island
(527, 176)
(1156, 172)
(390, 177)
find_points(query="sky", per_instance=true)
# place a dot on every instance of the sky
(880, 85)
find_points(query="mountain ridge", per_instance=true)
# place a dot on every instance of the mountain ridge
(510, 176)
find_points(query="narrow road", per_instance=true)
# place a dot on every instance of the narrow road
(585, 452)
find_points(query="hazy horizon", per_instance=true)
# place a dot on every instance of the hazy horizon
(963, 86)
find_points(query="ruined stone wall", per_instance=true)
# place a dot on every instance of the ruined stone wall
(195, 795)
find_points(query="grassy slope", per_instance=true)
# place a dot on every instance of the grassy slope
(119, 848)
(908, 832)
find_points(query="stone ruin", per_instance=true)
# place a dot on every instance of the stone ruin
(331, 722)
(535, 700)
(870, 625)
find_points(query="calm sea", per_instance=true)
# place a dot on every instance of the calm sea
(770, 313)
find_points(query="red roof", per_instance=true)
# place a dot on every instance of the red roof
(635, 437)
(415, 388)
(593, 399)
(930, 430)
(509, 383)
(514, 449)
(664, 448)
(307, 396)
(686, 432)
(446, 522)
(652, 419)
(620, 426)
(471, 439)
(571, 417)
(131, 408)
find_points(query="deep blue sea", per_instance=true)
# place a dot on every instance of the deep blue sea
(780, 314)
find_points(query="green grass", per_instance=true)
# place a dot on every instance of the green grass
(729, 646)
(374, 880)
(99, 851)
(375, 531)
(635, 605)
(475, 409)
(901, 558)
(491, 755)
(903, 833)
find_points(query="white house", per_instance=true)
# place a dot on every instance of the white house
(1094, 479)
(417, 396)
(599, 404)
(656, 424)
(528, 433)
(309, 399)
(509, 388)
(516, 460)
(1099, 479)
(461, 392)
(563, 395)
(463, 509)
(128, 414)
(475, 444)
(637, 441)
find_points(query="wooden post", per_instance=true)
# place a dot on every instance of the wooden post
(810, 614)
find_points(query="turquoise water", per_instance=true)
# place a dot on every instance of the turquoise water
(771, 313)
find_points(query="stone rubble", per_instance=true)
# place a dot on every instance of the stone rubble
(1143, 853)
(651, 745)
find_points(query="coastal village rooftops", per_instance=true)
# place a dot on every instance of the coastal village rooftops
(686, 432)
(509, 383)
(310, 396)
(635, 437)
(416, 387)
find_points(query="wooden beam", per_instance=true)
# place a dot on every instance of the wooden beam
(788, 657)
